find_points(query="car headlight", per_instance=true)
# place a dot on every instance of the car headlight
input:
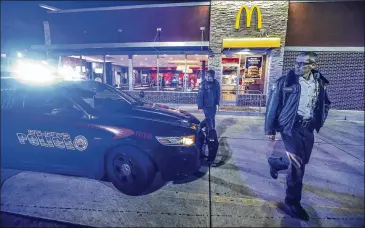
(177, 141)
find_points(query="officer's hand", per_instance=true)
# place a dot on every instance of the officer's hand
(271, 137)
(200, 110)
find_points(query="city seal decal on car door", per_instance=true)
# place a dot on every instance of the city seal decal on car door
(53, 139)
(80, 143)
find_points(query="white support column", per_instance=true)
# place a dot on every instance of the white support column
(104, 68)
(60, 61)
(47, 37)
(130, 72)
(158, 73)
(185, 74)
(81, 64)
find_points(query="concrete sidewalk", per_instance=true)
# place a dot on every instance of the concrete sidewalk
(238, 191)
(333, 114)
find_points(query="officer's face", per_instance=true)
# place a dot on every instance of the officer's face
(209, 77)
(303, 65)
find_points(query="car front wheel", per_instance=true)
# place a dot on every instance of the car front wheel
(130, 170)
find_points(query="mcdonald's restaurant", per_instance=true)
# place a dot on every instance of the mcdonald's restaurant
(165, 49)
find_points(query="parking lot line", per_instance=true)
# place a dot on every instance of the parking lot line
(246, 201)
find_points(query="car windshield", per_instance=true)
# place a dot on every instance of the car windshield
(129, 97)
(100, 96)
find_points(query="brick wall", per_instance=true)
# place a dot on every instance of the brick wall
(166, 97)
(222, 25)
(345, 71)
(251, 100)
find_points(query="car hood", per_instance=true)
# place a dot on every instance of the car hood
(164, 112)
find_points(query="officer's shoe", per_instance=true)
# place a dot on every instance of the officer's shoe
(210, 161)
(273, 172)
(298, 210)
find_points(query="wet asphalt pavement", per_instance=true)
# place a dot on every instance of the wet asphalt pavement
(8, 220)
(236, 191)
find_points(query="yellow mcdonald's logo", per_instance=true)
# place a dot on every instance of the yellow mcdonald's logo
(249, 16)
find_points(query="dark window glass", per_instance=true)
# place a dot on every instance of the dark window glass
(47, 103)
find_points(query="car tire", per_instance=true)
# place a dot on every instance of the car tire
(130, 170)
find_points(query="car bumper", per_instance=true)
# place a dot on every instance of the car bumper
(179, 162)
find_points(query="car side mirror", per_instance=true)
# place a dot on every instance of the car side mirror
(141, 94)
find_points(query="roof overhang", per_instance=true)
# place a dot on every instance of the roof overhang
(264, 42)
(126, 48)
(144, 6)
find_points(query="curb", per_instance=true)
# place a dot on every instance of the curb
(359, 117)
(237, 113)
(344, 115)
(230, 113)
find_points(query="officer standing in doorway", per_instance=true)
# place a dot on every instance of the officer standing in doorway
(208, 99)
(298, 104)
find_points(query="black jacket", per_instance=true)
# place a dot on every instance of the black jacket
(209, 94)
(283, 102)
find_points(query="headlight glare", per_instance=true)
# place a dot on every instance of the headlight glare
(177, 141)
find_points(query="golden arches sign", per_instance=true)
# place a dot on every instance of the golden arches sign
(249, 16)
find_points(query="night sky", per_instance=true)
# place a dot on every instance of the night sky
(22, 21)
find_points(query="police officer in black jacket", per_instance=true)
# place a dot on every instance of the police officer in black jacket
(208, 99)
(298, 104)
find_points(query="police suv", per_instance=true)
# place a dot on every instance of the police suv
(87, 128)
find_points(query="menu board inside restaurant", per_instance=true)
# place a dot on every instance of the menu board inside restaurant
(253, 67)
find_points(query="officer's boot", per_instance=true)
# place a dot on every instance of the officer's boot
(276, 165)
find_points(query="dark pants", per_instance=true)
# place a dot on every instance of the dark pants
(209, 113)
(299, 148)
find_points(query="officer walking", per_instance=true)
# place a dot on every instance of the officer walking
(208, 99)
(297, 105)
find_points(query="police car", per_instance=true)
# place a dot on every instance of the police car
(87, 128)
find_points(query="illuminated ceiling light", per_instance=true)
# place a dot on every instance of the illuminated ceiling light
(3, 55)
(145, 58)
(48, 7)
(244, 53)
(121, 59)
(19, 54)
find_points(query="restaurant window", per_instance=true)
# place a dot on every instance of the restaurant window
(242, 74)
(143, 68)
(164, 72)
(252, 72)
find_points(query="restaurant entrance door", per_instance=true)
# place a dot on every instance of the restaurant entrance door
(243, 76)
